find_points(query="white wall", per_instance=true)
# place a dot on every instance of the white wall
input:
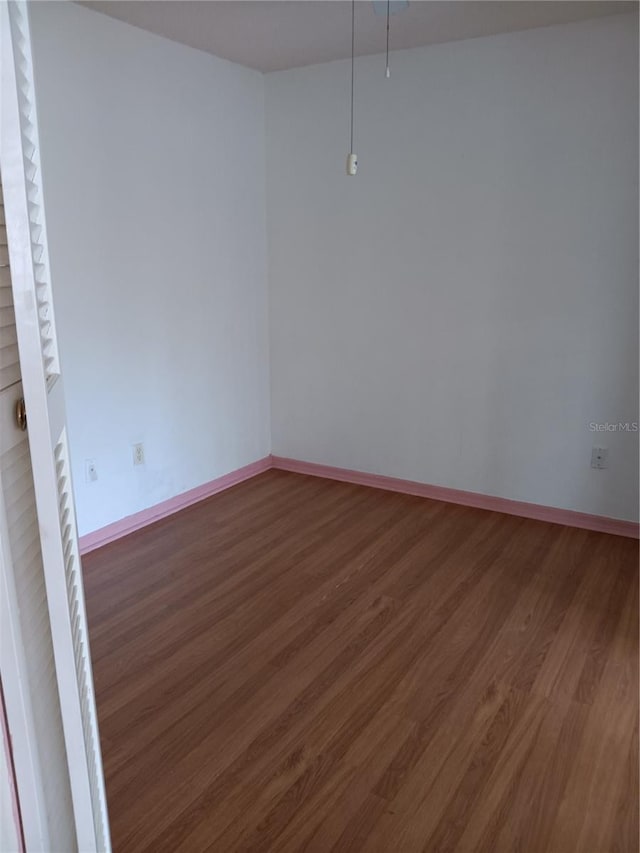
(153, 165)
(459, 312)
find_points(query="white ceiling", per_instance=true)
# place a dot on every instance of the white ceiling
(271, 35)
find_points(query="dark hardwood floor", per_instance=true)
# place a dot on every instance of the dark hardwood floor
(299, 664)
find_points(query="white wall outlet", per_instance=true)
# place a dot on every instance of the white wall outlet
(138, 454)
(90, 470)
(599, 457)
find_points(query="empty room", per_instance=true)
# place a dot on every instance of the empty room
(319, 450)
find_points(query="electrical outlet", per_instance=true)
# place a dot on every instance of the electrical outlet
(138, 454)
(90, 471)
(599, 457)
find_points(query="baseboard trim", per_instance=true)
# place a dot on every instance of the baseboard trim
(127, 525)
(554, 515)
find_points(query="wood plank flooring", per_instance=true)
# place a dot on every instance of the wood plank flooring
(299, 664)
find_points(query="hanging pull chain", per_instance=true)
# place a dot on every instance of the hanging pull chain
(388, 72)
(352, 158)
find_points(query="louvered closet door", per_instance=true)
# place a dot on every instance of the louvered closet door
(47, 438)
(47, 808)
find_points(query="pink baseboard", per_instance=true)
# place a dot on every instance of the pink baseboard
(146, 516)
(555, 515)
